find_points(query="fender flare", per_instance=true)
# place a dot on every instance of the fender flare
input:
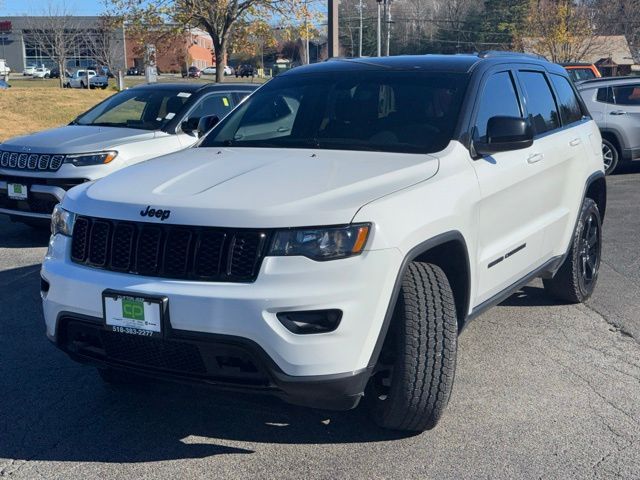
(415, 252)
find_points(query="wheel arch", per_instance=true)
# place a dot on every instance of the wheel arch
(615, 138)
(449, 252)
(597, 190)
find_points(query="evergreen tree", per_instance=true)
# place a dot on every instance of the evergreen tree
(504, 22)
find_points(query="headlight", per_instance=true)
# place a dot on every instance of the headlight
(85, 159)
(62, 221)
(329, 243)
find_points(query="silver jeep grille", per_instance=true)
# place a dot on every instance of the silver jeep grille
(30, 161)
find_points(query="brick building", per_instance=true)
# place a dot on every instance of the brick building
(174, 52)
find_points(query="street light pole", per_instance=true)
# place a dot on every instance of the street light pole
(360, 45)
(334, 39)
(379, 32)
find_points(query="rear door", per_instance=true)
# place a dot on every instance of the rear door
(510, 227)
(624, 116)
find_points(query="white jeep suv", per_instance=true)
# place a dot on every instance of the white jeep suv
(129, 127)
(329, 239)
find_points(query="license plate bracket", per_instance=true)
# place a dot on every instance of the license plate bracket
(17, 191)
(135, 314)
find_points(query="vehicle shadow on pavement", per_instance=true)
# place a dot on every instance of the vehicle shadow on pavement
(53, 409)
(17, 235)
(530, 296)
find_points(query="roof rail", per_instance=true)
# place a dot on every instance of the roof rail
(608, 79)
(507, 53)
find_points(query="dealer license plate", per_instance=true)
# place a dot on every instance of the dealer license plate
(133, 315)
(17, 191)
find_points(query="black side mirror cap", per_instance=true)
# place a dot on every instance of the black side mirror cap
(206, 123)
(505, 134)
(190, 127)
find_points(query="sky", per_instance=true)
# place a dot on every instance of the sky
(36, 7)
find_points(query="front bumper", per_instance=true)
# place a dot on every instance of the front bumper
(360, 286)
(44, 194)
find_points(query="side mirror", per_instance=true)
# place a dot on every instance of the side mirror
(505, 134)
(206, 123)
(190, 127)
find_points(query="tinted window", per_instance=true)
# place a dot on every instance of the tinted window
(627, 95)
(215, 104)
(499, 98)
(570, 110)
(604, 95)
(543, 113)
(392, 111)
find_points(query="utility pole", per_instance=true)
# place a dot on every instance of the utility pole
(384, 16)
(388, 22)
(360, 45)
(334, 38)
(379, 32)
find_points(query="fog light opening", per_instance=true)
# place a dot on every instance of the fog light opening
(312, 321)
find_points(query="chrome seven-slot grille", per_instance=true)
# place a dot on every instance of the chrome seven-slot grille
(31, 161)
(171, 251)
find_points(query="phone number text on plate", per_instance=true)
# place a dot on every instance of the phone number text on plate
(132, 331)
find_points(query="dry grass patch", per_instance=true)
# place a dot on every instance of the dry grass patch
(28, 110)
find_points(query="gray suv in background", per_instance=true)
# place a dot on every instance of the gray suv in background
(614, 103)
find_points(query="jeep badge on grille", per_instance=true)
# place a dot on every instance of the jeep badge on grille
(153, 212)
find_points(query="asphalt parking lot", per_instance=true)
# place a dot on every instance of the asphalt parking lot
(542, 390)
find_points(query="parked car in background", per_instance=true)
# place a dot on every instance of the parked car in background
(212, 70)
(41, 72)
(80, 78)
(191, 72)
(581, 71)
(135, 71)
(55, 73)
(4, 85)
(614, 104)
(28, 71)
(330, 238)
(131, 126)
(245, 71)
(4, 68)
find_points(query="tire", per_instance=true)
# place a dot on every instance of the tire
(576, 279)
(416, 368)
(112, 376)
(610, 155)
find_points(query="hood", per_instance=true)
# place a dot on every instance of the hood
(77, 139)
(252, 188)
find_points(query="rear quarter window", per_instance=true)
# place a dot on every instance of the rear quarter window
(541, 106)
(568, 103)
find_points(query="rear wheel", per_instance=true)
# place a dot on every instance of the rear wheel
(610, 156)
(414, 375)
(576, 279)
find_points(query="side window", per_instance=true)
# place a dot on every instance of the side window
(627, 94)
(570, 110)
(215, 104)
(499, 98)
(543, 113)
(604, 95)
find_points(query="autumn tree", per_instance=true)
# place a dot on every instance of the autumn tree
(561, 30)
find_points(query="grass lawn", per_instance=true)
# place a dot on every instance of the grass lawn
(34, 104)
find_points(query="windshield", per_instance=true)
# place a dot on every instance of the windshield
(390, 111)
(146, 109)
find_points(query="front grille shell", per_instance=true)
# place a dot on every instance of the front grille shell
(31, 161)
(169, 251)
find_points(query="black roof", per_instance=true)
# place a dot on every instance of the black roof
(198, 86)
(461, 63)
(577, 64)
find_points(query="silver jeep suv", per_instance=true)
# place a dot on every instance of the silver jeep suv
(614, 104)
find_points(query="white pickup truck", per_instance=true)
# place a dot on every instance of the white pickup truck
(79, 80)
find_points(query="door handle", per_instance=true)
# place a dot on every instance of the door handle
(535, 157)
(575, 142)
(618, 112)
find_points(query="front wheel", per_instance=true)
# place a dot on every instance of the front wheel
(576, 279)
(414, 376)
(610, 156)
